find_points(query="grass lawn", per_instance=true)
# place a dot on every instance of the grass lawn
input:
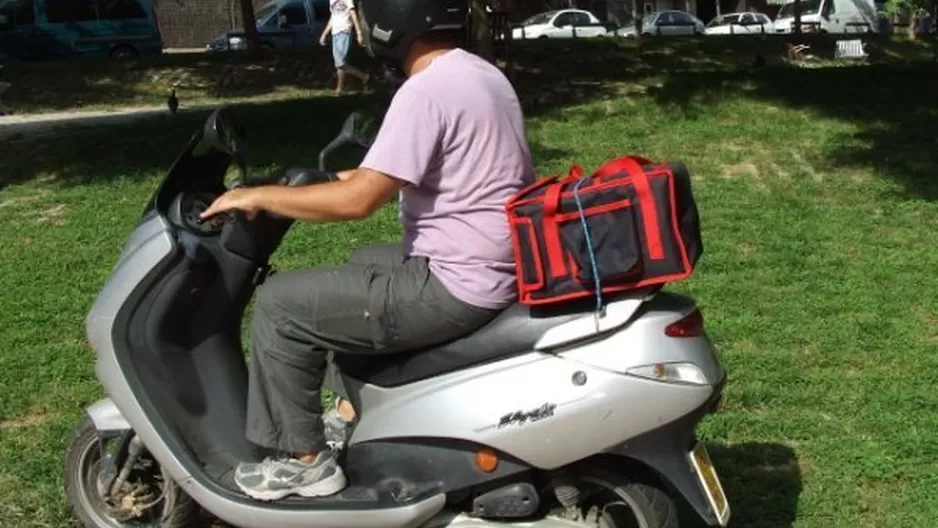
(817, 193)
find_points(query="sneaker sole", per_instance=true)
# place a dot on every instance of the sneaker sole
(322, 488)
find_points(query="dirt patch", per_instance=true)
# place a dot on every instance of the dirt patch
(746, 250)
(54, 215)
(21, 200)
(27, 420)
(745, 168)
(808, 168)
(734, 146)
(780, 172)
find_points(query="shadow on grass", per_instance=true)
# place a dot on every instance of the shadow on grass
(73, 84)
(893, 108)
(891, 103)
(891, 100)
(762, 482)
(279, 135)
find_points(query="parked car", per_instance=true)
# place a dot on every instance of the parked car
(60, 29)
(281, 24)
(740, 24)
(830, 16)
(565, 23)
(666, 24)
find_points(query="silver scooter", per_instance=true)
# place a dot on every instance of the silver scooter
(542, 418)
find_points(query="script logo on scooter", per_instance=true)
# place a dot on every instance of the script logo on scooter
(522, 417)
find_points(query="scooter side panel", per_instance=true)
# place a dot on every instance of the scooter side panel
(147, 247)
(644, 342)
(106, 417)
(543, 409)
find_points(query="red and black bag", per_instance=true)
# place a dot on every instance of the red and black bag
(630, 224)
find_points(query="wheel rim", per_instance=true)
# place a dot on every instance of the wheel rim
(601, 506)
(87, 473)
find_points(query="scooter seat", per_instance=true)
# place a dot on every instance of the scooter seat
(514, 331)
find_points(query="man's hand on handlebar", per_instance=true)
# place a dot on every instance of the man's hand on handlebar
(243, 199)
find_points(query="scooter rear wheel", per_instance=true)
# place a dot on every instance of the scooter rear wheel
(148, 498)
(611, 500)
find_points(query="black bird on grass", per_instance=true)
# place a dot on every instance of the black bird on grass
(172, 102)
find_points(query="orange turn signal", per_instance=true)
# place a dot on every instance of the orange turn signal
(486, 460)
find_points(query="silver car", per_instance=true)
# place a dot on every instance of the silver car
(666, 23)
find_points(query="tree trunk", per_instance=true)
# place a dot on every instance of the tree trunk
(637, 20)
(717, 2)
(232, 14)
(913, 24)
(482, 31)
(797, 27)
(250, 28)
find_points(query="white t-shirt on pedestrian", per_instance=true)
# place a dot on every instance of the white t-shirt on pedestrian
(341, 15)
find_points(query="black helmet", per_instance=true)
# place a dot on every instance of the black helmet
(391, 26)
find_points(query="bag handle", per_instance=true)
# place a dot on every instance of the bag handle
(632, 165)
(555, 260)
(575, 172)
(623, 164)
(552, 197)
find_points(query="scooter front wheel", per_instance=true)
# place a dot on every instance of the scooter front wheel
(610, 500)
(131, 493)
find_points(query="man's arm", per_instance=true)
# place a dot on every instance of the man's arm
(357, 196)
(325, 32)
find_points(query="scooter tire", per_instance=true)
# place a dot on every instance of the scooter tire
(177, 509)
(647, 498)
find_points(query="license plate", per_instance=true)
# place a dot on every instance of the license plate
(710, 482)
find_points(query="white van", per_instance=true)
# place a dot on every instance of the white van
(830, 16)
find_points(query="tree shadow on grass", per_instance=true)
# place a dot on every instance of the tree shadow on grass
(279, 135)
(892, 107)
(762, 482)
(77, 83)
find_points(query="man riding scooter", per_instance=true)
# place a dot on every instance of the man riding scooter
(463, 155)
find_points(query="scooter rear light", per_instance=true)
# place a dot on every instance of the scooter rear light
(690, 326)
(680, 372)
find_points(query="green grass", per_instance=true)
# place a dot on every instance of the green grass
(817, 193)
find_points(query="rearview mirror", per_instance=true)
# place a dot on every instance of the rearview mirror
(358, 129)
(223, 133)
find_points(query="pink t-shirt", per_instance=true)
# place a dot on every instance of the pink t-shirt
(455, 133)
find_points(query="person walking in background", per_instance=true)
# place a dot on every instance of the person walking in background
(341, 21)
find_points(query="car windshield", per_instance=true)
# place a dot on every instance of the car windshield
(648, 19)
(724, 20)
(541, 18)
(808, 7)
(265, 11)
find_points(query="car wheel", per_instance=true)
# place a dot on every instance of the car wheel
(124, 52)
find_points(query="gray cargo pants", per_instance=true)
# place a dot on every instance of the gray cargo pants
(379, 302)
